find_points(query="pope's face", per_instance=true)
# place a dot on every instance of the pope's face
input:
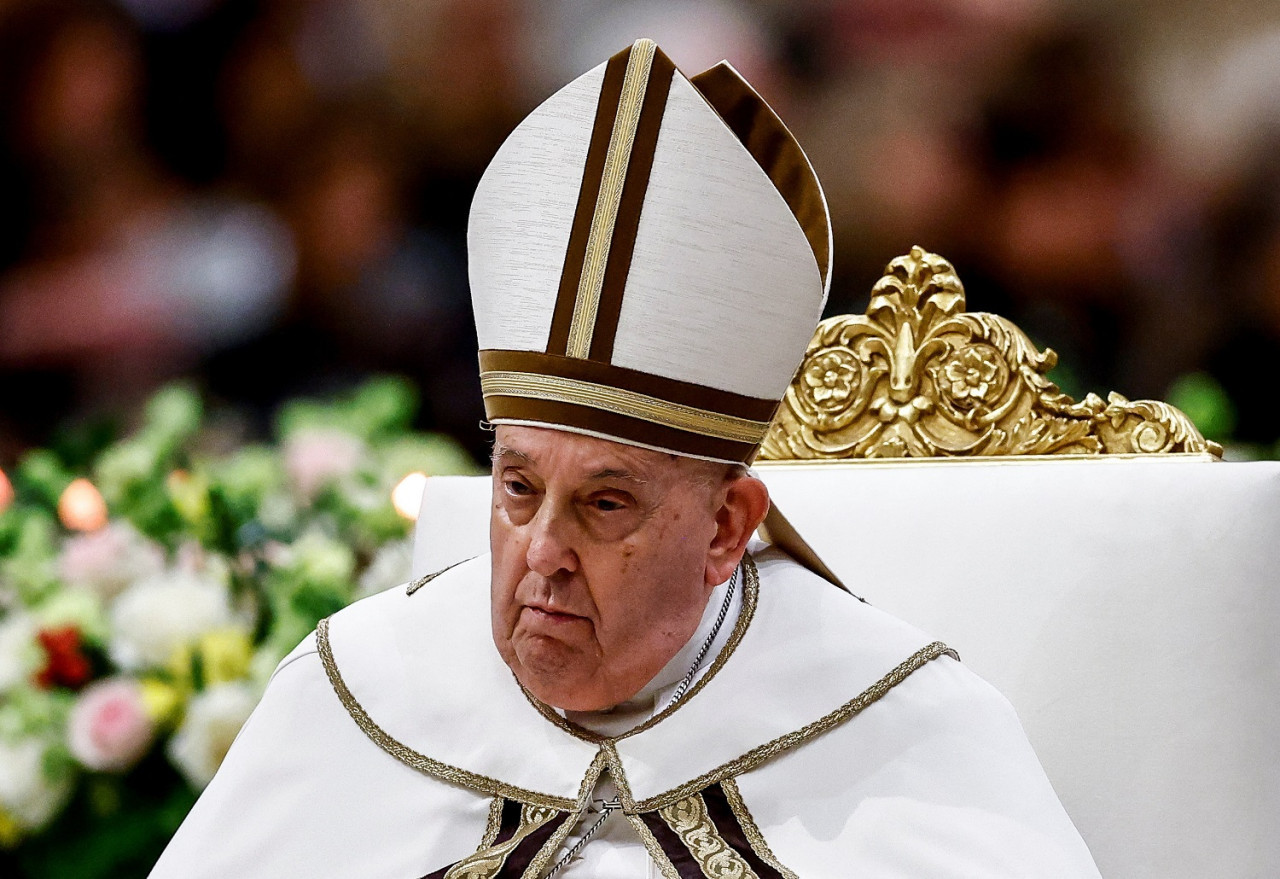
(600, 562)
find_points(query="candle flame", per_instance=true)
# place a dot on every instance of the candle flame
(406, 497)
(81, 507)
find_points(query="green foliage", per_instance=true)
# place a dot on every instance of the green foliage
(381, 409)
(278, 535)
(1206, 403)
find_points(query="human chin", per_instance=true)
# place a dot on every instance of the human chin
(555, 659)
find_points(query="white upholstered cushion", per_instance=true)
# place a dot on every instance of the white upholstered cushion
(1125, 606)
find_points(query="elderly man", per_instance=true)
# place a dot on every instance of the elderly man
(627, 685)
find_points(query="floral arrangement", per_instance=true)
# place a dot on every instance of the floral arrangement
(148, 591)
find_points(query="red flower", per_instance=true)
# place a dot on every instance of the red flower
(67, 666)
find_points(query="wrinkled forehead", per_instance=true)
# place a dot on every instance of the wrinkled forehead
(551, 446)
(570, 455)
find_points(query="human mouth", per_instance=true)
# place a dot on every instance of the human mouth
(554, 617)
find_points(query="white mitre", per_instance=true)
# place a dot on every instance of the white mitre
(649, 255)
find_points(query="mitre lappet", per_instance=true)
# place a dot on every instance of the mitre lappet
(649, 255)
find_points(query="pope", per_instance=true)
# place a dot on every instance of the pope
(629, 684)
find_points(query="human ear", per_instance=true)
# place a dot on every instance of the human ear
(744, 505)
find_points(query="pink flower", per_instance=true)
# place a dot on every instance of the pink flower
(108, 560)
(315, 457)
(109, 729)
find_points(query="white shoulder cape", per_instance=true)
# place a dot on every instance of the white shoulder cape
(828, 739)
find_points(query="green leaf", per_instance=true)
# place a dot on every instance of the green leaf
(1206, 403)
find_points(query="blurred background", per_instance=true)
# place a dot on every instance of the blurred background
(213, 212)
(269, 198)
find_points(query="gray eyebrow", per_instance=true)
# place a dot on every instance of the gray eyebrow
(613, 473)
(500, 451)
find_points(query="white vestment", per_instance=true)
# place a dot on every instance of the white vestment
(825, 739)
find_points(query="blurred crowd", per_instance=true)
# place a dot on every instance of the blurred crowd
(269, 197)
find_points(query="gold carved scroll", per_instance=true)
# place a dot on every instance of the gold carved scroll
(919, 377)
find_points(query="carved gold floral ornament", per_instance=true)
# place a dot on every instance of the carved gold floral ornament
(919, 377)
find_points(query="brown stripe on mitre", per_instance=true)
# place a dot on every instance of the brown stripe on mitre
(775, 149)
(641, 125)
(597, 150)
(632, 203)
(617, 425)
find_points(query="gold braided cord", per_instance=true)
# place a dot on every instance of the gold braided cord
(651, 844)
(495, 823)
(533, 386)
(412, 758)
(423, 581)
(488, 862)
(549, 849)
(769, 750)
(750, 830)
(621, 140)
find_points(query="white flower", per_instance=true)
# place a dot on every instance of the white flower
(109, 729)
(316, 557)
(391, 566)
(314, 457)
(20, 655)
(278, 511)
(27, 794)
(155, 617)
(109, 559)
(213, 719)
(192, 558)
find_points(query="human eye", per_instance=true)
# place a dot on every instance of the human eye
(516, 486)
(609, 502)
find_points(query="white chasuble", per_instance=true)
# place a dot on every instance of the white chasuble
(825, 739)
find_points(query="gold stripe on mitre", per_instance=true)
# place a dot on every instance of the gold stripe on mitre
(631, 404)
(621, 140)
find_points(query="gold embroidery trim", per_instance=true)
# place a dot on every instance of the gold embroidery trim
(689, 820)
(750, 595)
(768, 750)
(488, 862)
(421, 762)
(423, 581)
(495, 823)
(609, 752)
(749, 829)
(704, 422)
(549, 849)
(621, 140)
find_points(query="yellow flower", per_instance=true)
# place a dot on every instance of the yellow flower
(190, 494)
(10, 830)
(225, 655)
(161, 699)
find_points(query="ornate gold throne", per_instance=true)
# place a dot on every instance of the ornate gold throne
(919, 377)
(1095, 560)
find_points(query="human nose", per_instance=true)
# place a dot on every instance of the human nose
(550, 543)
